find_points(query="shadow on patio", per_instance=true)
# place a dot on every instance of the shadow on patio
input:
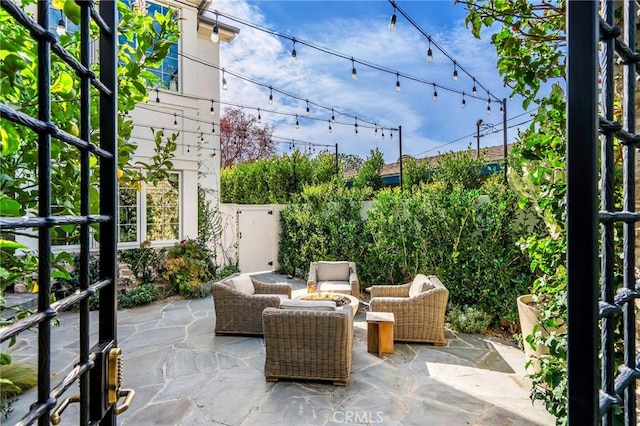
(185, 375)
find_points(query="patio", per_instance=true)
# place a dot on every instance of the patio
(184, 375)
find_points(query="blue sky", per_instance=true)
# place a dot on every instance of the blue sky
(360, 29)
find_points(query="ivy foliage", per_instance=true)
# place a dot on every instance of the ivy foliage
(467, 236)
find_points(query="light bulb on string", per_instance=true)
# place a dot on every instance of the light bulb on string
(259, 116)
(392, 21)
(297, 124)
(429, 52)
(213, 128)
(488, 105)
(215, 36)
(397, 82)
(455, 71)
(333, 116)
(390, 134)
(375, 129)
(474, 90)
(435, 93)
(308, 112)
(354, 73)
(175, 120)
(157, 96)
(270, 95)
(224, 81)
(382, 128)
(330, 130)
(294, 54)
(355, 126)
(211, 110)
(464, 102)
(501, 108)
(61, 29)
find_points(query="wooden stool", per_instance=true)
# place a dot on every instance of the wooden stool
(380, 332)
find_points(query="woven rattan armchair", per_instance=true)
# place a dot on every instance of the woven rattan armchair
(334, 277)
(308, 344)
(238, 312)
(419, 308)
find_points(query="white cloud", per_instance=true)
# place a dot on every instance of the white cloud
(326, 79)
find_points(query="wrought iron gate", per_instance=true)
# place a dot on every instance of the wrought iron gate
(96, 370)
(601, 34)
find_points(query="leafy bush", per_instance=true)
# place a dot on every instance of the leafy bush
(225, 271)
(63, 287)
(189, 264)
(145, 261)
(15, 378)
(469, 319)
(138, 296)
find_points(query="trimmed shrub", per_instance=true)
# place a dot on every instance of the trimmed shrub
(469, 319)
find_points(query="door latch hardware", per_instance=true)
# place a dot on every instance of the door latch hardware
(55, 416)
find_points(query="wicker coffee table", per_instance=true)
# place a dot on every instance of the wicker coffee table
(342, 300)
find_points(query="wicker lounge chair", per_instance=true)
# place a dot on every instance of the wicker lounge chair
(419, 308)
(334, 277)
(239, 301)
(308, 344)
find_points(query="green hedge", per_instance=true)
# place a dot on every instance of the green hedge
(469, 238)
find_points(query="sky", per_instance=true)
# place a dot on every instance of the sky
(360, 29)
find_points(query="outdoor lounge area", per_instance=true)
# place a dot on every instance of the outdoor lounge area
(185, 374)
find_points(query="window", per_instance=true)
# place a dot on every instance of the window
(168, 70)
(150, 212)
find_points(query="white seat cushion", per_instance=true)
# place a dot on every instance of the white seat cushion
(332, 271)
(243, 284)
(315, 305)
(335, 286)
(282, 297)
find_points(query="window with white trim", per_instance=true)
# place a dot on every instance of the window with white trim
(150, 212)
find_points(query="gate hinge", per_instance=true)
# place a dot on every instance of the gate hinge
(270, 263)
(270, 212)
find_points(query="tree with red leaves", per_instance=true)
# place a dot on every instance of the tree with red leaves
(243, 139)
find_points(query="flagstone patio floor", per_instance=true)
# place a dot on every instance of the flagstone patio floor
(185, 375)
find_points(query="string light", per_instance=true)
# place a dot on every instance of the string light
(390, 134)
(61, 29)
(330, 130)
(429, 52)
(215, 37)
(464, 102)
(224, 81)
(354, 73)
(270, 95)
(488, 105)
(375, 129)
(474, 90)
(297, 124)
(259, 117)
(175, 120)
(382, 132)
(435, 93)
(355, 126)
(308, 112)
(501, 108)
(333, 116)
(392, 21)
(213, 128)
(157, 96)
(397, 82)
(455, 71)
(294, 55)
(211, 110)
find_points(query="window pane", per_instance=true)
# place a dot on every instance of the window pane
(163, 210)
(128, 214)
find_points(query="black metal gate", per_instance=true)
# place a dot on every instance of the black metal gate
(601, 99)
(97, 367)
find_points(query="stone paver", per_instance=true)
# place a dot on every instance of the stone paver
(185, 375)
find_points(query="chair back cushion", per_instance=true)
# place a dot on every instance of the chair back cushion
(420, 284)
(243, 284)
(314, 305)
(332, 271)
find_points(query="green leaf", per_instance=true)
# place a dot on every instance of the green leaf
(63, 83)
(9, 207)
(5, 359)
